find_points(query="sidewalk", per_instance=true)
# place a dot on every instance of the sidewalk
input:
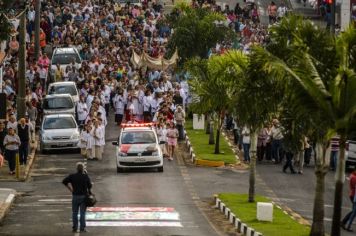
(307, 11)
(7, 197)
(24, 170)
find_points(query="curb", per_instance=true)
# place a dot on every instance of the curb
(31, 159)
(231, 146)
(200, 162)
(5, 207)
(238, 224)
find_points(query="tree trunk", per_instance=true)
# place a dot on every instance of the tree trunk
(340, 178)
(21, 105)
(321, 168)
(217, 143)
(252, 178)
(37, 28)
(211, 132)
(317, 228)
(207, 120)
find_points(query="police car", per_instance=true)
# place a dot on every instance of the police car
(138, 147)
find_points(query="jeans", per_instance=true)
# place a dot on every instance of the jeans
(10, 156)
(180, 132)
(246, 147)
(23, 152)
(268, 151)
(347, 217)
(352, 216)
(78, 202)
(276, 146)
(333, 159)
(289, 157)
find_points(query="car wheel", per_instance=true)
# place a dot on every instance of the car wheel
(160, 169)
(120, 170)
(43, 151)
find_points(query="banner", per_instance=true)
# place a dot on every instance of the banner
(153, 63)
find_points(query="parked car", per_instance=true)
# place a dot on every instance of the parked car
(65, 57)
(58, 104)
(350, 154)
(59, 132)
(138, 147)
(67, 87)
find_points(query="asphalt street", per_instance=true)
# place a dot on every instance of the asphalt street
(133, 203)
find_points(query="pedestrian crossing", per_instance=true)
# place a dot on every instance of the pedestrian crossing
(133, 217)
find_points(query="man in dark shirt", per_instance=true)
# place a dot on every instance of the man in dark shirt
(2, 136)
(79, 185)
(23, 131)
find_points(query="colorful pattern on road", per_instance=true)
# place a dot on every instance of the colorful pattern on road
(133, 217)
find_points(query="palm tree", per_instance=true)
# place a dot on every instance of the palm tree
(214, 85)
(328, 78)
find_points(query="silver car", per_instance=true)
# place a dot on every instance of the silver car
(67, 87)
(59, 132)
(65, 57)
(58, 104)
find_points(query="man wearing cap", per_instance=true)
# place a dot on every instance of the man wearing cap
(79, 185)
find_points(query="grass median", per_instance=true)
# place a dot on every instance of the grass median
(282, 223)
(200, 142)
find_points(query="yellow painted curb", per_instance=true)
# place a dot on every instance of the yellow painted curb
(200, 162)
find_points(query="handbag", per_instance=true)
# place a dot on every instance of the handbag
(90, 200)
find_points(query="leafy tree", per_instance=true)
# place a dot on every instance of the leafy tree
(195, 31)
(214, 83)
(321, 69)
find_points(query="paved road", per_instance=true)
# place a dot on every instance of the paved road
(166, 205)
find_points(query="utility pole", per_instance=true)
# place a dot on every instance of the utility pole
(37, 28)
(333, 16)
(21, 106)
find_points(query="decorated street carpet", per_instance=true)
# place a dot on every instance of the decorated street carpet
(133, 216)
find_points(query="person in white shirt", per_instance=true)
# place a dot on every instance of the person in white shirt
(12, 123)
(146, 101)
(83, 141)
(281, 11)
(98, 140)
(106, 92)
(82, 110)
(90, 99)
(246, 142)
(90, 148)
(119, 102)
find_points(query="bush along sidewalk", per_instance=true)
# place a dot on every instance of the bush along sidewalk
(202, 153)
(242, 214)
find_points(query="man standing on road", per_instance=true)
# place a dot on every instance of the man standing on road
(79, 185)
(347, 219)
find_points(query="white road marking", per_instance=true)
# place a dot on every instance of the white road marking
(135, 223)
(55, 200)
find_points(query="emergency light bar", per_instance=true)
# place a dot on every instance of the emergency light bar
(138, 125)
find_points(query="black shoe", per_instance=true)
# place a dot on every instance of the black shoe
(74, 230)
(349, 229)
(343, 226)
(293, 172)
(284, 171)
(84, 231)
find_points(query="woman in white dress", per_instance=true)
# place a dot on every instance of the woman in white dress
(83, 141)
(90, 141)
(162, 137)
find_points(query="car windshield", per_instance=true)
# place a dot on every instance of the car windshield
(58, 103)
(63, 89)
(138, 137)
(59, 123)
(65, 59)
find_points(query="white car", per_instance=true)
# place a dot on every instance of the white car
(65, 57)
(138, 147)
(67, 87)
(58, 104)
(59, 132)
(350, 155)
